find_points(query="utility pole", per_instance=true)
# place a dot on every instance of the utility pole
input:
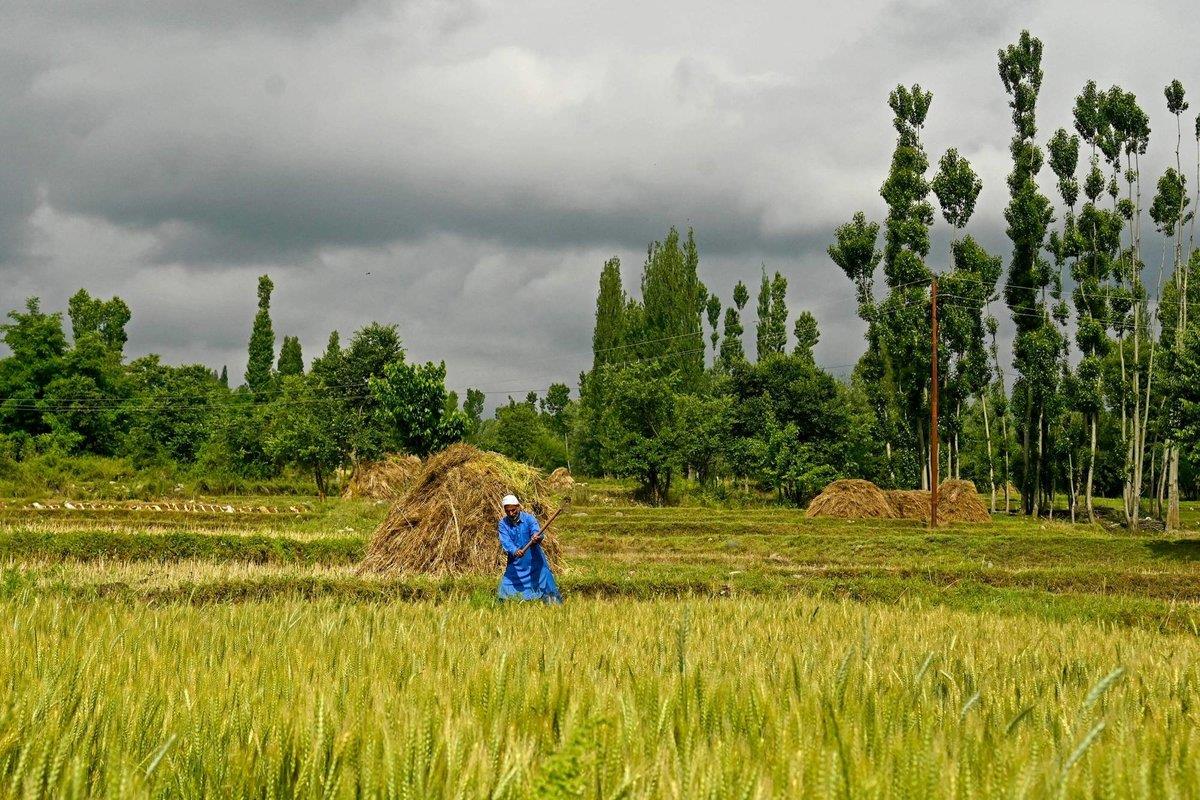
(933, 408)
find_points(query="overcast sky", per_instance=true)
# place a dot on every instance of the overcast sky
(464, 168)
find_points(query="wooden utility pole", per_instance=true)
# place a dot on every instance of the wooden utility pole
(933, 408)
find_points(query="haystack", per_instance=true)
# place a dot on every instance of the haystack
(560, 480)
(958, 501)
(445, 523)
(382, 480)
(851, 499)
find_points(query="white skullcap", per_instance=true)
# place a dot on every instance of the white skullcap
(510, 500)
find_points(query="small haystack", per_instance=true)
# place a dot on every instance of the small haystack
(851, 499)
(560, 480)
(909, 503)
(957, 502)
(382, 480)
(446, 522)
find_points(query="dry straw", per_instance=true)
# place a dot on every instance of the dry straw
(851, 499)
(445, 523)
(382, 480)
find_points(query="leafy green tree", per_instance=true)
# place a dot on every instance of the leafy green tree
(521, 434)
(1099, 231)
(262, 341)
(37, 345)
(673, 299)
(637, 428)
(170, 412)
(1168, 213)
(412, 398)
(807, 335)
(299, 430)
(777, 329)
(713, 309)
(902, 319)
(473, 410)
(732, 350)
(700, 430)
(106, 319)
(1029, 214)
(291, 360)
(762, 332)
(224, 379)
(856, 253)
(345, 373)
(609, 335)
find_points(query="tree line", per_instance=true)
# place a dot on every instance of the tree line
(1101, 396)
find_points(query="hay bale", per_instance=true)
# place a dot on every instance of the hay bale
(958, 501)
(909, 503)
(850, 499)
(382, 480)
(445, 523)
(560, 480)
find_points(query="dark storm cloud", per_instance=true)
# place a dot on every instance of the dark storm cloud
(464, 168)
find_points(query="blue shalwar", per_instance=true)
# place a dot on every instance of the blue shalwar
(528, 577)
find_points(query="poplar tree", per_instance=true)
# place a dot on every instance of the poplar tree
(732, 349)
(1130, 128)
(777, 329)
(262, 341)
(1037, 343)
(1167, 211)
(713, 309)
(673, 297)
(903, 317)
(291, 360)
(965, 290)
(1099, 231)
(807, 335)
(609, 332)
(856, 253)
(762, 331)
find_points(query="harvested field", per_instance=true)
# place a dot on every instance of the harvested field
(445, 524)
(382, 480)
(851, 499)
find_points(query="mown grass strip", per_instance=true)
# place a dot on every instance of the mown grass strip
(175, 546)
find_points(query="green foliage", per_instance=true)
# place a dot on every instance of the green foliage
(637, 427)
(609, 334)
(673, 299)
(106, 319)
(261, 348)
(732, 349)
(807, 335)
(291, 361)
(304, 429)
(412, 399)
(521, 433)
(957, 187)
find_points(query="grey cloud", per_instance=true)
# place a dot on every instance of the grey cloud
(482, 161)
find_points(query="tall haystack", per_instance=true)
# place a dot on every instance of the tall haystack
(382, 480)
(958, 501)
(445, 524)
(850, 499)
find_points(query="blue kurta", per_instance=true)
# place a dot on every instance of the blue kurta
(528, 577)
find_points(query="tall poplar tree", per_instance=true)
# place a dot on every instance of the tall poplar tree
(1037, 343)
(762, 330)
(291, 360)
(732, 349)
(262, 341)
(903, 317)
(713, 310)
(608, 336)
(672, 332)
(1167, 211)
(1099, 230)
(856, 253)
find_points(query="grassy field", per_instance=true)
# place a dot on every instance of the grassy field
(702, 653)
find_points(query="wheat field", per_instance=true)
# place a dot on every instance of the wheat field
(683, 698)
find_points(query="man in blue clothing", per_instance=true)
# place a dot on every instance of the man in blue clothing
(528, 575)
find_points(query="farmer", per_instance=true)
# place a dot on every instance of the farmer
(528, 575)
